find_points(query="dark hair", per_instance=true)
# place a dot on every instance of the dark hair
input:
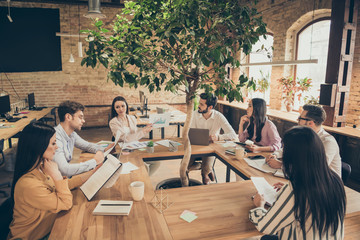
(315, 113)
(211, 99)
(318, 191)
(258, 118)
(69, 107)
(113, 111)
(33, 142)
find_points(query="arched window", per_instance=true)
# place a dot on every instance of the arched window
(312, 43)
(261, 52)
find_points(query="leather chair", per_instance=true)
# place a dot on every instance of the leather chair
(345, 171)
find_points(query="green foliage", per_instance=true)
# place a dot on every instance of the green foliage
(263, 83)
(177, 45)
(150, 144)
(291, 86)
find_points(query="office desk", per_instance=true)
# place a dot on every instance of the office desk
(222, 209)
(7, 133)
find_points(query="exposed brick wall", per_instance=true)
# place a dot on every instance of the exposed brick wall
(90, 87)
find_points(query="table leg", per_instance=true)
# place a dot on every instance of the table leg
(179, 125)
(151, 134)
(227, 174)
(162, 133)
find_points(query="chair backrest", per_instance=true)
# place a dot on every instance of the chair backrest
(6, 213)
(345, 171)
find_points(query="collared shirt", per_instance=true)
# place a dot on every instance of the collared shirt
(127, 134)
(214, 123)
(37, 200)
(280, 220)
(63, 154)
(331, 151)
(269, 136)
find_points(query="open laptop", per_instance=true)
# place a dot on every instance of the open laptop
(199, 136)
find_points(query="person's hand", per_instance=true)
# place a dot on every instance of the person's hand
(147, 128)
(85, 176)
(244, 119)
(99, 157)
(51, 168)
(213, 138)
(109, 146)
(272, 161)
(259, 200)
(253, 148)
(277, 186)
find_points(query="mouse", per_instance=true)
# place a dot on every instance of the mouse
(24, 117)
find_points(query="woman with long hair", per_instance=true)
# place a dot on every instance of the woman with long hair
(39, 191)
(260, 129)
(123, 122)
(312, 205)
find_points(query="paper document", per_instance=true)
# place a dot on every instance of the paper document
(160, 120)
(117, 138)
(111, 207)
(263, 187)
(166, 143)
(100, 177)
(263, 166)
(136, 145)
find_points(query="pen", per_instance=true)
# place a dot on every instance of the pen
(115, 204)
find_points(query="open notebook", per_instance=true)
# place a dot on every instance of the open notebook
(100, 177)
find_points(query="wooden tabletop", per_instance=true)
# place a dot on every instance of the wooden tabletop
(222, 209)
(6, 133)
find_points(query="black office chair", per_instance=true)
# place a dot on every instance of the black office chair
(50, 119)
(345, 171)
(6, 184)
(6, 213)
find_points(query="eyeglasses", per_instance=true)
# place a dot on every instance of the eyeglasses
(305, 119)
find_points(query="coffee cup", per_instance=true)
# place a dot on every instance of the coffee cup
(137, 190)
(240, 153)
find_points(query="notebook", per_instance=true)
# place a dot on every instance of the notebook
(199, 136)
(100, 177)
(111, 207)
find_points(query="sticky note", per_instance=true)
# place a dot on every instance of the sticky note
(189, 217)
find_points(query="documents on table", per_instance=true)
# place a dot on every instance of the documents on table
(126, 168)
(263, 187)
(134, 145)
(264, 167)
(166, 143)
(160, 120)
(100, 177)
(110, 207)
(117, 138)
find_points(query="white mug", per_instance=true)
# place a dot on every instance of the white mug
(240, 153)
(137, 190)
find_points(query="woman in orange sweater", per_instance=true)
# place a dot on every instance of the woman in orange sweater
(39, 191)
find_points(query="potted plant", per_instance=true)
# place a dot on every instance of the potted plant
(150, 147)
(293, 87)
(177, 46)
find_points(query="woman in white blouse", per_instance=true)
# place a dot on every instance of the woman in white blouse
(126, 124)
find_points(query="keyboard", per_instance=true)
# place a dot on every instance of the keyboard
(14, 119)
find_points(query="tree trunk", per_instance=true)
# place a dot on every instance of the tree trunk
(187, 146)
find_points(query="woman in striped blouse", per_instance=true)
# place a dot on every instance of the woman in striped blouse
(312, 205)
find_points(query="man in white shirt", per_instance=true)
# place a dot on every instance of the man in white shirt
(313, 116)
(72, 118)
(208, 118)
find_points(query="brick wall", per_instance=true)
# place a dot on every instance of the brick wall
(90, 87)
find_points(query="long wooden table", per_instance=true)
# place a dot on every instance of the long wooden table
(6, 133)
(222, 209)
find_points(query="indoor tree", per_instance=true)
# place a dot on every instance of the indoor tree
(177, 46)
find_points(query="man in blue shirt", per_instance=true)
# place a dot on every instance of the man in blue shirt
(72, 118)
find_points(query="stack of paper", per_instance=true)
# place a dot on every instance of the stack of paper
(109, 207)
(188, 216)
(135, 145)
(264, 167)
(166, 143)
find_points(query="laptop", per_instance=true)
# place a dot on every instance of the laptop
(199, 136)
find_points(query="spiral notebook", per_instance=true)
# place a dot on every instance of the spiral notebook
(113, 207)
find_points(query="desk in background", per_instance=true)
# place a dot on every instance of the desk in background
(222, 209)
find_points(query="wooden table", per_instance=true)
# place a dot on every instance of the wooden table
(7, 133)
(222, 209)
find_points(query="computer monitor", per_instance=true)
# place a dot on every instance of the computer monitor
(4, 105)
(143, 104)
(31, 100)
